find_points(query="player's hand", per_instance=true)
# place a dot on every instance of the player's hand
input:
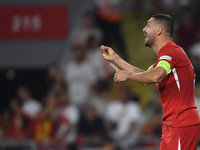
(108, 53)
(120, 75)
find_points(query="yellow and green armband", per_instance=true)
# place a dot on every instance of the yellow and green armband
(165, 65)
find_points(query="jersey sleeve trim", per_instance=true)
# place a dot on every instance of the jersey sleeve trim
(165, 65)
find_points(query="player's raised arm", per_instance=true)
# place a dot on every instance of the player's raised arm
(110, 55)
(147, 77)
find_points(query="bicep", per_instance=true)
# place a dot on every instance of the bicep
(155, 75)
(160, 73)
(162, 69)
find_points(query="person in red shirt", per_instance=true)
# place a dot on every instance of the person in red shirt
(174, 76)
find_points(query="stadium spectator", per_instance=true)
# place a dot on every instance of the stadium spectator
(17, 132)
(151, 130)
(88, 29)
(45, 122)
(124, 119)
(4, 122)
(55, 89)
(100, 67)
(109, 17)
(67, 119)
(154, 103)
(91, 129)
(30, 106)
(103, 97)
(185, 34)
(131, 93)
(53, 75)
(79, 77)
(20, 125)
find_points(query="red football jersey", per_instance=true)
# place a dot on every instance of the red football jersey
(177, 88)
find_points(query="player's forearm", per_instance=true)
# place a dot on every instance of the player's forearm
(147, 77)
(126, 66)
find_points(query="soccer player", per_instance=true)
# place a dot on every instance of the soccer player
(174, 76)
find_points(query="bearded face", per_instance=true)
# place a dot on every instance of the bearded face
(150, 32)
(150, 39)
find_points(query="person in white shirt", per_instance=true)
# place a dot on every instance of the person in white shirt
(30, 106)
(100, 67)
(79, 77)
(126, 114)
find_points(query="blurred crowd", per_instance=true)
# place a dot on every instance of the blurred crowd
(83, 109)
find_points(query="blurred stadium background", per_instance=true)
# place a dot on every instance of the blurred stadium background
(57, 91)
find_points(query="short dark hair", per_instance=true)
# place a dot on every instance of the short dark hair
(166, 21)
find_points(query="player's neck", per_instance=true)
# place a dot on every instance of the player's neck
(160, 43)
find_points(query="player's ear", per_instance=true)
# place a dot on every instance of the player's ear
(159, 30)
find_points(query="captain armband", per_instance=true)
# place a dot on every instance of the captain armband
(165, 65)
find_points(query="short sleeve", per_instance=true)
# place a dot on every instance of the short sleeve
(169, 55)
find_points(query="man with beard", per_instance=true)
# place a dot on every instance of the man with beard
(174, 76)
